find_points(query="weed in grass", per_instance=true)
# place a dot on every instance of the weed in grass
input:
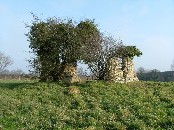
(92, 105)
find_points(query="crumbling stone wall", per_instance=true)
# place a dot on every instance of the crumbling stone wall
(129, 70)
(113, 70)
(70, 74)
(121, 71)
(117, 70)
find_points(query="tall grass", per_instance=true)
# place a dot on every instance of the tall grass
(98, 106)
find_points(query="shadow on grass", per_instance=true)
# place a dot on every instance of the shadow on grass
(13, 85)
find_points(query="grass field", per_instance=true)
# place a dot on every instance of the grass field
(99, 106)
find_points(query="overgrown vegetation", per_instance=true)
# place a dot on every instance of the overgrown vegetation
(60, 43)
(98, 106)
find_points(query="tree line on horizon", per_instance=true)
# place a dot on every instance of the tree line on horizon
(155, 75)
(142, 73)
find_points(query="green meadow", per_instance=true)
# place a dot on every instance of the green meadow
(98, 105)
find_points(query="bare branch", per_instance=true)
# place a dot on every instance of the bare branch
(4, 61)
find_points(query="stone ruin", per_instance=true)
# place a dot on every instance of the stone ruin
(117, 70)
(70, 74)
(113, 71)
(121, 71)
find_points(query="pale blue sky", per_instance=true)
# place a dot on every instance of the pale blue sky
(148, 24)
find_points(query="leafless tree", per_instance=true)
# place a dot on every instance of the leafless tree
(98, 58)
(4, 61)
